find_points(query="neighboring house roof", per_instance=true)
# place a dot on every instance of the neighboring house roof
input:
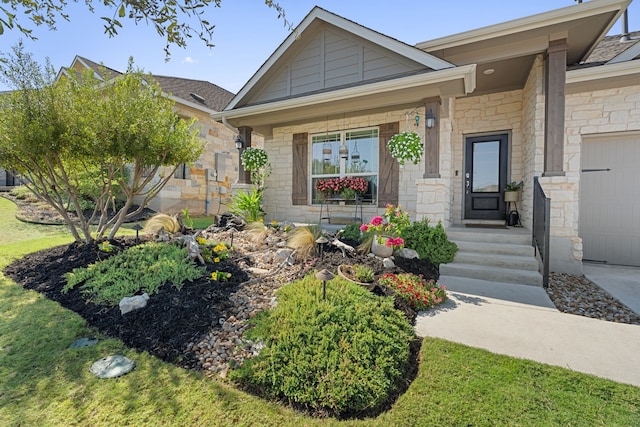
(198, 93)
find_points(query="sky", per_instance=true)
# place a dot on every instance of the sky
(247, 32)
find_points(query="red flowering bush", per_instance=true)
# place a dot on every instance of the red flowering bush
(416, 290)
(337, 185)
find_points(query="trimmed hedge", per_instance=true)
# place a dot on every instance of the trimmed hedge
(343, 355)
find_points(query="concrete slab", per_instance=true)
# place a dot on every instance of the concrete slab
(535, 332)
(623, 283)
(525, 294)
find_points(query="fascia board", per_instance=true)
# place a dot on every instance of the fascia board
(466, 72)
(532, 22)
(621, 69)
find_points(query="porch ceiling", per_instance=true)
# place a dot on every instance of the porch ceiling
(381, 95)
(511, 47)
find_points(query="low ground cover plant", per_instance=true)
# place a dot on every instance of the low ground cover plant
(142, 268)
(343, 355)
(416, 290)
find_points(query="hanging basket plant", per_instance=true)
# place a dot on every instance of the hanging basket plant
(406, 146)
(254, 158)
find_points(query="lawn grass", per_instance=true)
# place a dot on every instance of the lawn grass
(44, 383)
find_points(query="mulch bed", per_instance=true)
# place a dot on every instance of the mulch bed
(172, 318)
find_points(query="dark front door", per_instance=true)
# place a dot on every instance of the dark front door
(485, 176)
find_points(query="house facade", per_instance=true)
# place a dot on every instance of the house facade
(546, 97)
(205, 186)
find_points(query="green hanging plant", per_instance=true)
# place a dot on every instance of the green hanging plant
(406, 146)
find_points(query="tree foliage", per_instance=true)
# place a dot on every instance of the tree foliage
(175, 20)
(123, 135)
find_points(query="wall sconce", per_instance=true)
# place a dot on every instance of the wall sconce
(430, 119)
(417, 119)
(239, 142)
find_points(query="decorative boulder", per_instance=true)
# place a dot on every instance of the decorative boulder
(282, 255)
(128, 304)
(407, 253)
(112, 366)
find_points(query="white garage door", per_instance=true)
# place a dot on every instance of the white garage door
(610, 199)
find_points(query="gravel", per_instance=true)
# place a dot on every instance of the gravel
(578, 295)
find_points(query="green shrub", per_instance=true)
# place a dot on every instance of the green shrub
(430, 242)
(342, 355)
(352, 232)
(143, 268)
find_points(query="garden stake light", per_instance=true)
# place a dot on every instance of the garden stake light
(137, 227)
(321, 242)
(324, 275)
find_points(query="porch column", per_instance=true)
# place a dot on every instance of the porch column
(555, 81)
(244, 177)
(432, 139)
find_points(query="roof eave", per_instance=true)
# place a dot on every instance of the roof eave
(465, 73)
(319, 13)
(532, 22)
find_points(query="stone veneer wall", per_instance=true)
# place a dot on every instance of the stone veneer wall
(192, 193)
(532, 136)
(277, 196)
(475, 115)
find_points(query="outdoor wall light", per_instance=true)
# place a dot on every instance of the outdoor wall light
(417, 119)
(239, 142)
(431, 119)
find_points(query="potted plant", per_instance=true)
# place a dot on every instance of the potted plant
(385, 230)
(359, 274)
(406, 146)
(512, 191)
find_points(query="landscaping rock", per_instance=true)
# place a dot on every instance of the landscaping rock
(83, 342)
(388, 263)
(128, 304)
(407, 253)
(112, 366)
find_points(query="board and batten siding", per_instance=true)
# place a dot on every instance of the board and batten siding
(331, 58)
(609, 221)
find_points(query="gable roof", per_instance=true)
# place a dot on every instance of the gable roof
(200, 94)
(345, 28)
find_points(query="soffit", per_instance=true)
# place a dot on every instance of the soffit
(507, 48)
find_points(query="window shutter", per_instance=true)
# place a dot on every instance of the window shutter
(299, 169)
(389, 173)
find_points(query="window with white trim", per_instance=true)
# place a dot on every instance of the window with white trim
(352, 153)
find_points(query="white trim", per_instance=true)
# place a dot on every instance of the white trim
(466, 72)
(628, 55)
(318, 13)
(621, 69)
(505, 29)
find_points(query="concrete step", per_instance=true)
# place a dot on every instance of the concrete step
(492, 273)
(511, 236)
(496, 248)
(497, 260)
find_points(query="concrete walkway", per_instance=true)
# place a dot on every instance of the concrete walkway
(521, 321)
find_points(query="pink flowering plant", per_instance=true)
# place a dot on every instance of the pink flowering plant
(389, 226)
(330, 186)
(420, 293)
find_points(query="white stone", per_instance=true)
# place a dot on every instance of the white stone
(128, 304)
(407, 253)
